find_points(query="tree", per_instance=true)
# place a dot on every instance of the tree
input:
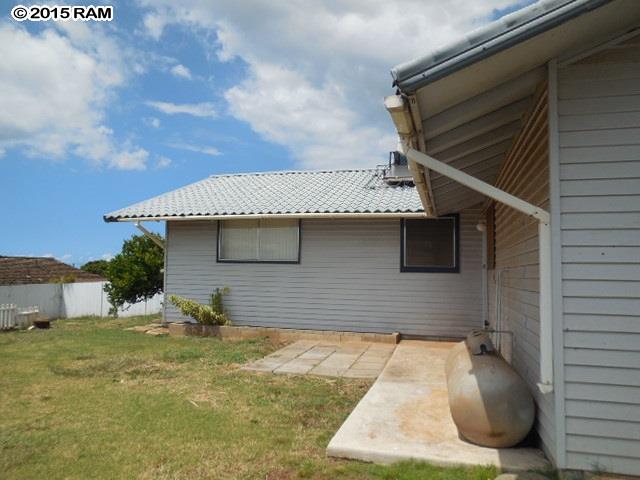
(135, 274)
(99, 267)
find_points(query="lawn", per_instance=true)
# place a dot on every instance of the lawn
(89, 399)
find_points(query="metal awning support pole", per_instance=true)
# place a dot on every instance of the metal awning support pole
(147, 233)
(544, 251)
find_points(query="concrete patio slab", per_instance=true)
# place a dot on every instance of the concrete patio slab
(405, 416)
(348, 359)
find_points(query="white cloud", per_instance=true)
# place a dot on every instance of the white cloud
(54, 89)
(317, 71)
(180, 70)
(152, 122)
(154, 24)
(213, 151)
(106, 256)
(204, 109)
(135, 159)
(163, 162)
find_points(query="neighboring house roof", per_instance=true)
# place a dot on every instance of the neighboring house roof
(29, 270)
(279, 193)
(488, 40)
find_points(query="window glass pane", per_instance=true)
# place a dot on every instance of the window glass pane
(239, 240)
(278, 240)
(259, 240)
(430, 243)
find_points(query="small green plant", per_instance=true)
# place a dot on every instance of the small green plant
(212, 314)
(216, 299)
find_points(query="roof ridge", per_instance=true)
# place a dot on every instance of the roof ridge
(28, 256)
(292, 172)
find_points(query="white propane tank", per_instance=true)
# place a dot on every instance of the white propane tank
(490, 403)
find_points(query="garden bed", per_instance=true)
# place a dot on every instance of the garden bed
(276, 334)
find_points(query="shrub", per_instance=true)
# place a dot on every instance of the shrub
(216, 299)
(135, 273)
(68, 278)
(213, 314)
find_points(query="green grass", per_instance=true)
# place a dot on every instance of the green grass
(88, 399)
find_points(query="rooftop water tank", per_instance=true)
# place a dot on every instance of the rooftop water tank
(397, 171)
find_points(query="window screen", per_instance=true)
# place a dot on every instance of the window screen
(430, 245)
(270, 240)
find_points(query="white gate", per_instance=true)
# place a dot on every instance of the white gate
(8, 316)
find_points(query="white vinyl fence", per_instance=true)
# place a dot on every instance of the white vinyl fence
(72, 300)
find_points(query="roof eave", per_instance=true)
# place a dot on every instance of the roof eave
(329, 215)
(411, 76)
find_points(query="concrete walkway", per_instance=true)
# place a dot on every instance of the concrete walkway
(351, 360)
(405, 415)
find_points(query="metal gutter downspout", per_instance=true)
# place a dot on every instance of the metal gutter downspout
(150, 235)
(544, 238)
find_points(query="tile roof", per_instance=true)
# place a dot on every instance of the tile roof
(29, 270)
(337, 191)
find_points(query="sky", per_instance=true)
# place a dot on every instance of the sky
(95, 116)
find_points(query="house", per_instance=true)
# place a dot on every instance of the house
(521, 212)
(537, 116)
(324, 250)
(39, 270)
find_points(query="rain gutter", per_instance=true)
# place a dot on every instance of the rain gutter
(337, 215)
(498, 36)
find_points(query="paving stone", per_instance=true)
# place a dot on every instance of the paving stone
(353, 359)
(318, 352)
(356, 373)
(327, 371)
(298, 365)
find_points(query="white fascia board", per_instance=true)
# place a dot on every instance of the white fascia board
(403, 118)
(275, 215)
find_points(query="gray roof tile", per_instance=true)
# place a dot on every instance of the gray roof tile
(337, 191)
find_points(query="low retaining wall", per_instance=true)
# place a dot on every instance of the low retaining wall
(277, 334)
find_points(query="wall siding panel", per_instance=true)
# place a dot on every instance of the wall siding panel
(525, 174)
(348, 279)
(599, 108)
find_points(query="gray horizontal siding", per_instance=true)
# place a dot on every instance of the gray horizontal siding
(599, 108)
(348, 279)
(517, 261)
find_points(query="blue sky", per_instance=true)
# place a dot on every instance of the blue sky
(94, 117)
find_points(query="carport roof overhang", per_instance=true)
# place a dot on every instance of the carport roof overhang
(466, 103)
